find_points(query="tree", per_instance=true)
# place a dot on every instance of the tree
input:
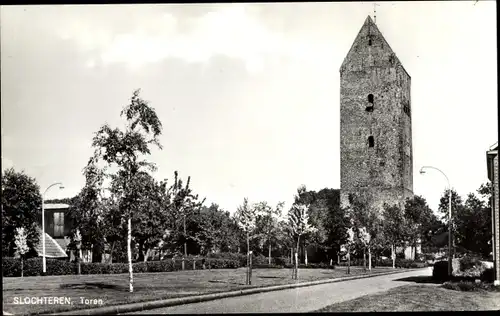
(333, 221)
(21, 207)
(21, 245)
(150, 223)
(457, 209)
(365, 238)
(183, 203)
(269, 218)
(473, 226)
(349, 243)
(368, 225)
(124, 149)
(246, 216)
(393, 226)
(212, 230)
(298, 219)
(87, 210)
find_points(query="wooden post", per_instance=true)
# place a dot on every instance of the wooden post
(182, 264)
(194, 264)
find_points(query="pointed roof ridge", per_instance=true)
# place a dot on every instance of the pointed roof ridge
(367, 22)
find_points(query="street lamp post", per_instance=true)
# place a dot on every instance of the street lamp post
(449, 216)
(43, 224)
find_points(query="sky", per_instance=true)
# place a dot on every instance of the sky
(248, 94)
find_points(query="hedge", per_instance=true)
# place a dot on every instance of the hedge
(256, 260)
(400, 263)
(11, 267)
(321, 265)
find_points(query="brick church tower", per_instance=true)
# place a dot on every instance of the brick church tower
(376, 160)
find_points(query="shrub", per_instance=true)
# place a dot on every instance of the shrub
(268, 266)
(410, 264)
(440, 271)
(240, 257)
(260, 259)
(281, 261)
(466, 286)
(222, 264)
(469, 262)
(322, 265)
(488, 275)
(11, 267)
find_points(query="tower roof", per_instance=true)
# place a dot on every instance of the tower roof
(369, 29)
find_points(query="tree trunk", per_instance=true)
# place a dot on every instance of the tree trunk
(393, 256)
(185, 243)
(110, 259)
(296, 266)
(349, 260)
(364, 259)
(291, 255)
(147, 254)
(22, 267)
(129, 253)
(369, 258)
(141, 252)
(296, 270)
(305, 253)
(250, 274)
(338, 258)
(269, 251)
(248, 258)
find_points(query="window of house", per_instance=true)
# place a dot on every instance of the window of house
(371, 141)
(370, 98)
(59, 224)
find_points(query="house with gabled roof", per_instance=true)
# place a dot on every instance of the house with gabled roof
(492, 165)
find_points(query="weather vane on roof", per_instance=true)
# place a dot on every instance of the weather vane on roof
(375, 12)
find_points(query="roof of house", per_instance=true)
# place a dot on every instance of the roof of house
(490, 155)
(52, 248)
(494, 147)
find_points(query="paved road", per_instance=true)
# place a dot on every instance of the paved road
(305, 299)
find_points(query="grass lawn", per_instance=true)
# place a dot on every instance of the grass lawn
(419, 297)
(112, 289)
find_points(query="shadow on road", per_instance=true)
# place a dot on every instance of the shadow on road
(423, 279)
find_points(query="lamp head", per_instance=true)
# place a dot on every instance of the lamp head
(422, 170)
(61, 187)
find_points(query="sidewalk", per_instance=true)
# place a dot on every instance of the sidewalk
(148, 306)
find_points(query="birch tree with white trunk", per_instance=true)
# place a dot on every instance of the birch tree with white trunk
(124, 149)
(246, 216)
(21, 245)
(298, 219)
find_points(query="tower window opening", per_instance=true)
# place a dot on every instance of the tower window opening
(370, 98)
(371, 141)
(369, 108)
(370, 42)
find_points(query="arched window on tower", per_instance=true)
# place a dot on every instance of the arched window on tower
(370, 42)
(369, 107)
(371, 141)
